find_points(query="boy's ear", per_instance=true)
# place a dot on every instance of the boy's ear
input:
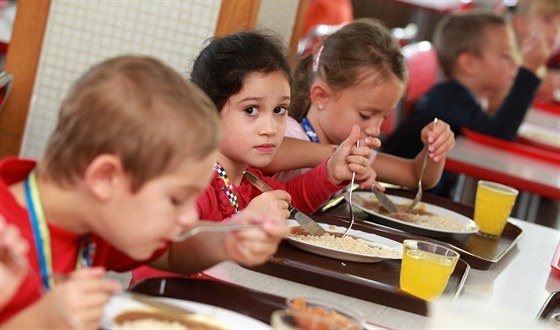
(103, 175)
(319, 93)
(466, 62)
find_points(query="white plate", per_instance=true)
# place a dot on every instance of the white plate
(470, 226)
(119, 304)
(540, 134)
(343, 255)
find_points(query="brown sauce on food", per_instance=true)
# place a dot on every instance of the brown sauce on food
(184, 320)
(404, 215)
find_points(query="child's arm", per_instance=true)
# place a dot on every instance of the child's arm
(13, 261)
(248, 247)
(406, 172)
(295, 154)
(75, 303)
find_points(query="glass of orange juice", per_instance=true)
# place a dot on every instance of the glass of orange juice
(426, 268)
(492, 207)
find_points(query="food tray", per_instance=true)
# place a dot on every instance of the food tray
(479, 252)
(377, 283)
(550, 307)
(252, 303)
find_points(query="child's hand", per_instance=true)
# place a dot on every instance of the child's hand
(253, 247)
(80, 299)
(440, 139)
(535, 51)
(348, 159)
(13, 261)
(274, 202)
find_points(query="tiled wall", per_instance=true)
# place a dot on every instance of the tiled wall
(81, 33)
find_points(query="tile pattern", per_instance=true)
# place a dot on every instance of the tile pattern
(81, 33)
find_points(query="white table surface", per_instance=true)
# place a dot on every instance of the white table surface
(543, 118)
(501, 161)
(521, 282)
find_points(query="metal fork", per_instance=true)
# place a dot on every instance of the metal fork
(350, 198)
(419, 193)
(217, 227)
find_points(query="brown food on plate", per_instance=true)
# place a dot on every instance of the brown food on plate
(152, 319)
(417, 216)
(322, 318)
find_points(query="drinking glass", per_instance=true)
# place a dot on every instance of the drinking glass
(492, 207)
(426, 268)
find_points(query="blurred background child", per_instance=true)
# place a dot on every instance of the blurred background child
(528, 19)
(475, 49)
(114, 188)
(356, 77)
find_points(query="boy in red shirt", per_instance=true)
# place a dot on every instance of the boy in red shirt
(133, 148)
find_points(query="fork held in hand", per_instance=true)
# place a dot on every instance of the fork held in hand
(350, 198)
(419, 193)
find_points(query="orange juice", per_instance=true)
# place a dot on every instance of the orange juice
(425, 274)
(492, 206)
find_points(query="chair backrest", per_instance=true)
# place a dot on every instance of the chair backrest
(423, 71)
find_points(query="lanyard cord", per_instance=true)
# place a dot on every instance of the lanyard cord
(42, 238)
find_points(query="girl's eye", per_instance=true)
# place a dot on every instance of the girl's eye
(176, 201)
(365, 116)
(251, 111)
(281, 110)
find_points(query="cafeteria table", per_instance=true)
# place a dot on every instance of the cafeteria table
(520, 282)
(532, 176)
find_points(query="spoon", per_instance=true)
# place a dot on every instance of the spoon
(216, 228)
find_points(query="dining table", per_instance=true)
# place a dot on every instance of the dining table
(530, 166)
(521, 282)
(519, 272)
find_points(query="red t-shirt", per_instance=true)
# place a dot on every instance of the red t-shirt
(309, 191)
(64, 244)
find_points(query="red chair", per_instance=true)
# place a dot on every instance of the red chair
(423, 71)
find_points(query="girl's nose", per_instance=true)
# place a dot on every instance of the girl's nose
(373, 127)
(187, 217)
(268, 126)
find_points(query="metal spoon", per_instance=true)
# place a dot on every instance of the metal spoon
(419, 193)
(216, 227)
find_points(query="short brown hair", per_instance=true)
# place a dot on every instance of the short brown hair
(462, 32)
(138, 109)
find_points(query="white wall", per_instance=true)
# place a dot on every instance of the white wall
(81, 33)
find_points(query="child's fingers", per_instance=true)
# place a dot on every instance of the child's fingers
(352, 138)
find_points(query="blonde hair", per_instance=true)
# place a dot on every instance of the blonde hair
(462, 32)
(138, 109)
(341, 59)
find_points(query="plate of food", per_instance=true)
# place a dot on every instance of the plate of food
(424, 219)
(538, 135)
(357, 246)
(123, 312)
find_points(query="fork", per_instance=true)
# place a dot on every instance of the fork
(350, 198)
(217, 227)
(418, 196)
